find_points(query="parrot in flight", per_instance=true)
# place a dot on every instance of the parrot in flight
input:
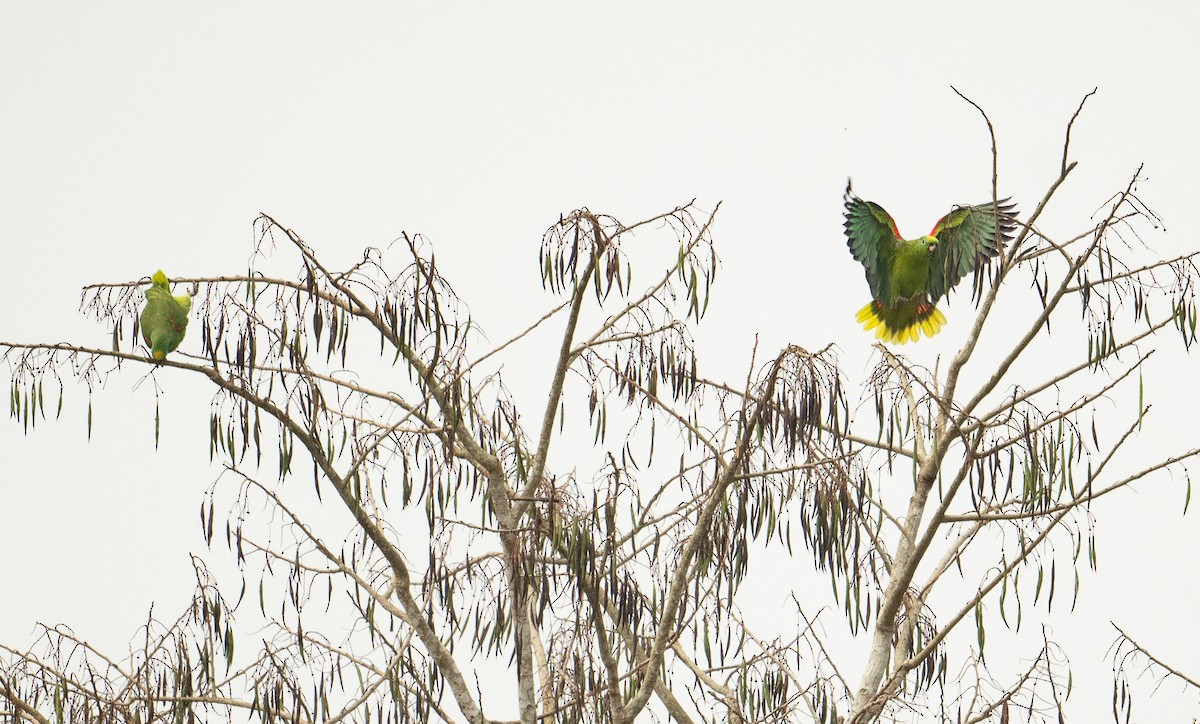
(909, 277)
(165, 317)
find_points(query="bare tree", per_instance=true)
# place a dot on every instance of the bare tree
(1131, 661)
(588, 553)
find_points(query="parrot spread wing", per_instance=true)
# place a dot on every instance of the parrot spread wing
(872, 237)
(967, 237)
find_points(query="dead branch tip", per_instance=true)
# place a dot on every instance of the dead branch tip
(1067, 141)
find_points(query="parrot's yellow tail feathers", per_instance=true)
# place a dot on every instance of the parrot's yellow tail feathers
(903, 323)
(867, 317)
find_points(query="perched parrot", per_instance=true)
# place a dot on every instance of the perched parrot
(908, 278)
(164, 318)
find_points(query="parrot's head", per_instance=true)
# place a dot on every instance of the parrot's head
(930, 243)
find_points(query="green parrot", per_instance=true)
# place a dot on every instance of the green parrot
(909, 277)
(164, 318)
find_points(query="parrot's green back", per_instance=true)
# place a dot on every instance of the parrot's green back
(910, 268)
(164, 318)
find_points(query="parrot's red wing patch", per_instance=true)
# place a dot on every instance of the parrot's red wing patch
(886, 218)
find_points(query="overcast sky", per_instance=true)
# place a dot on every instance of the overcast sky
(139, 136)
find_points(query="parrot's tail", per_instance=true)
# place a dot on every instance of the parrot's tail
(902, 323)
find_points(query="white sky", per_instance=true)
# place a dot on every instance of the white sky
(146, 135)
